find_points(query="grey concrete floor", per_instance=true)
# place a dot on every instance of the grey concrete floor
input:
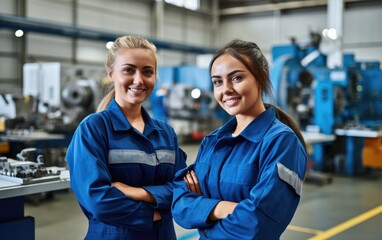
(349, 208)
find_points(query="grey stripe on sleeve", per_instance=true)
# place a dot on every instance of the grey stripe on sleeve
(290, 177)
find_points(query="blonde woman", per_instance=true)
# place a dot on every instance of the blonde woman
(122, 161)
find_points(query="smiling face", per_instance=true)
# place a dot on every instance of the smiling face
(133, 75)
(236, 90)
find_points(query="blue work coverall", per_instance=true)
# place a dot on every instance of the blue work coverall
(106, 148)
(261, 169)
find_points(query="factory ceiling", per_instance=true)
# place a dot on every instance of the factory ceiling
(234, 7)
(227, 7)
(236, 3)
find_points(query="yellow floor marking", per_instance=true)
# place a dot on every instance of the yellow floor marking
(348, 224)
(304, 230)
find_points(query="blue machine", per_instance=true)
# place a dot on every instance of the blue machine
(346, 97)
(183, 96)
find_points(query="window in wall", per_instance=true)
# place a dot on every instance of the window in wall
(190, 4)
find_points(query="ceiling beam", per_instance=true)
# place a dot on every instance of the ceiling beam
(59, 29)
(277, 7)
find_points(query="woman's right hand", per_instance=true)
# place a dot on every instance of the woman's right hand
(192, 182)
(136, 193)
(222, 210)
(157, 216)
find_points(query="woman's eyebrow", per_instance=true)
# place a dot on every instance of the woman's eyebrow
(229, 74)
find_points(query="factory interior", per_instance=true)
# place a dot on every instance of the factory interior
(325, 67)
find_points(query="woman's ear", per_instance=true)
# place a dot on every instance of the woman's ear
(110, 74)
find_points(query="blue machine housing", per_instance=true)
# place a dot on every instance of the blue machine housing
(342, 97)
(371, 96)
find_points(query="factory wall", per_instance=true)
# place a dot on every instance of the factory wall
(361, 28)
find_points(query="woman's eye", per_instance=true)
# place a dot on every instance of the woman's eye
(149, 72)
(236, 78)
(216, 82)
(129, 70)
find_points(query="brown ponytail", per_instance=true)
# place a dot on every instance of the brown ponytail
(287, 120)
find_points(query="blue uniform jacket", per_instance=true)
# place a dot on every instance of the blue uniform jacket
(106, 148)
(261, 169)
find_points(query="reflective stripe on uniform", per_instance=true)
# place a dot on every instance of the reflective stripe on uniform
(290, 177)
(117, 156)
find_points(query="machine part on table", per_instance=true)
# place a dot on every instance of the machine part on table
(26, 170)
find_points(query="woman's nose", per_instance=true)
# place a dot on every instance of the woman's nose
(137, 78)
(227, 87)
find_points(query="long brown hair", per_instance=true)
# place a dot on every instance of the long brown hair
(124, 42)
(250, 55)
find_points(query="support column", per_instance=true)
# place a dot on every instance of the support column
(21, 43)
(215, 22)
(335, 21)
(159, 22)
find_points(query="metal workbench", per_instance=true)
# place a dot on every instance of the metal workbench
(312, 138)
(354, 140)
(10, 189)
(13, 222)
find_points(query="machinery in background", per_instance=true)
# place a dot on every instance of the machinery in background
(190, 102)
(328, 99)
(43, 82)
(53, 103)
(183, 96)
(79, 98)
(49, 101)
(7, 107)
(15, 112)
(63, 104)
